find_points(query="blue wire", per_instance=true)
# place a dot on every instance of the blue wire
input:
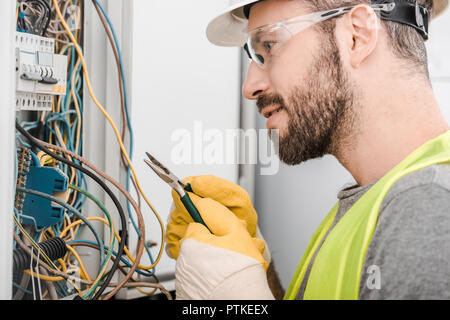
(65, 293)
(23, 143)
(53, 117)
(71, 133)
(21, 289)
(74, 211)
(127, 263)
(128, 123)
(36, 228)
(59, 293)
(36, 161)
(56, 230)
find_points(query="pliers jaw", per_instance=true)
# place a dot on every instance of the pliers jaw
(165, 174)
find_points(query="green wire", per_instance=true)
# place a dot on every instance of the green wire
(69, 208)
(111, 247)
(33, 243)
(79, 215)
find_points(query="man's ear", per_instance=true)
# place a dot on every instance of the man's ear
(361, 33)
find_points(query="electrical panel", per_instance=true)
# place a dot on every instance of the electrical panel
(40, 73)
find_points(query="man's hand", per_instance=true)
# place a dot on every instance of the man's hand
(230, 261)
(225, 264)
(232, 196)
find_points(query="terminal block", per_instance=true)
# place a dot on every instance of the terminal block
(40, 212)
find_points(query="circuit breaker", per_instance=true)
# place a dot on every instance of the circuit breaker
(40, 73)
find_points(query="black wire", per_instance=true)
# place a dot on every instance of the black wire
(47, 12)
(49, 16)
(115, 265)
(34, 26)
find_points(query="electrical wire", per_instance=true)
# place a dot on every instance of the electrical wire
(31, 268)
(112, 239)
(125, 193)
(37, 143)
(126, 262)
(37, 269)
(135, 283)
(64, 125)
(116, 234)
(114, 127)
(109, 29)
(50, 269)
(69, 208)
(104, 261)
(50, 286)
(31, 240)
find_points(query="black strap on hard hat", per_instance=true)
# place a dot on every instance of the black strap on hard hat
(411, 14)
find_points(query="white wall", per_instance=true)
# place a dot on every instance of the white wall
(178, 78)
(292, 203)
(439, 53)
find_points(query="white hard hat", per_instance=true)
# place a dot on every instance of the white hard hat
(229, 29)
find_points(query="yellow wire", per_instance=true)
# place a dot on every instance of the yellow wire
(145, 292)
(44, 277)
(33, 243)
(63, 264)
(114, 127)
(36, 246)
(83, 270)
(67, 220)
(125, 249)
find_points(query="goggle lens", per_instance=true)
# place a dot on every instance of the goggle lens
(263, 44)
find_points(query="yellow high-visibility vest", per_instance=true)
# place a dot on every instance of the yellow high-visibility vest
(337, 269)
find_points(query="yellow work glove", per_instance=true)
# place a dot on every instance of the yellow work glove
(232, 196)
(228, 232)
(226, 263)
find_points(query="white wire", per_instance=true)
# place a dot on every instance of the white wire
(31, 269)
(37, 271)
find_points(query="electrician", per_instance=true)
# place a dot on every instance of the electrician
(350, 79)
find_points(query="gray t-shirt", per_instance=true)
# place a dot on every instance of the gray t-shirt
(409, 254)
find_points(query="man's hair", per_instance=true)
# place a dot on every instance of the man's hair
(405, 41)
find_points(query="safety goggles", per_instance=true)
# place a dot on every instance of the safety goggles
(265, 42)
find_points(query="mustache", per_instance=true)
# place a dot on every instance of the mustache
(266, 100)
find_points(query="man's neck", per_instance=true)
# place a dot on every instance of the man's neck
(390, 130)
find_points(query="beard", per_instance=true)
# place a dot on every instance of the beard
(321, 112)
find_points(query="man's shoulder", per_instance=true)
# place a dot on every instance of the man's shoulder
(429, 179)
(411, 242)
(421, 197)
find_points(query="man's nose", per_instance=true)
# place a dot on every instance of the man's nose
(256, 82)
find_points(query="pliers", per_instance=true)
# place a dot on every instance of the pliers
(179, 186)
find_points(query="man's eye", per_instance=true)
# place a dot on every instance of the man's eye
(268, 45)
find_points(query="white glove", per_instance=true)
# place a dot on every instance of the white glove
(205, 272)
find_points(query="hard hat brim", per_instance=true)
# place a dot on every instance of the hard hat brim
(229, 29)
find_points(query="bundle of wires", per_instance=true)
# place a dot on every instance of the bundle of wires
(33, 16)
(114, 234)
(60, 145)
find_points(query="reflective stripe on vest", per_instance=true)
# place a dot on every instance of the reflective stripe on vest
(336, 271)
